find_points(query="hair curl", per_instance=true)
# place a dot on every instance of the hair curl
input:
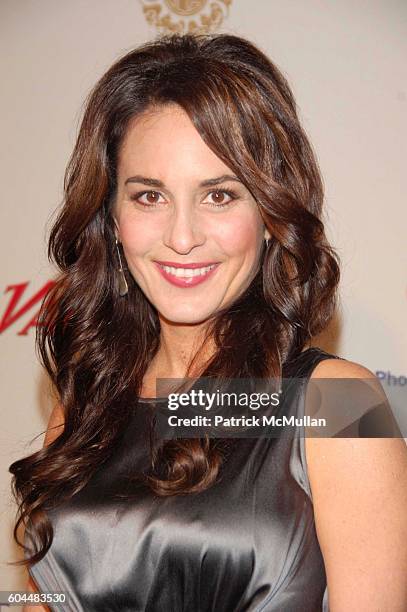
(244, 110)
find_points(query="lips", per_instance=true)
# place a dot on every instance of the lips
(173, 264)
(186, 275)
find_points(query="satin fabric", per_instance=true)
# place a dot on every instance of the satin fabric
(248, 543)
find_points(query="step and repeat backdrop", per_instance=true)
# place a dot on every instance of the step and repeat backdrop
(346, 63)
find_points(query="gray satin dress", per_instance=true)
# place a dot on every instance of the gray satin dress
(248, 543)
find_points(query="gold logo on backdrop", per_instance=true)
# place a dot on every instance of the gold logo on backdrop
(181, 16)
(185, 7)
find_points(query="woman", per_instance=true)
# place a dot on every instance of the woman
(190, 243)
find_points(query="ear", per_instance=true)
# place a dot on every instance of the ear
(267, 234)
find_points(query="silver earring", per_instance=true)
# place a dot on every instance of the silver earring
(267, 241)
(123, 287)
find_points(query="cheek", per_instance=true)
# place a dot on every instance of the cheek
(136, 237)
(241, 236)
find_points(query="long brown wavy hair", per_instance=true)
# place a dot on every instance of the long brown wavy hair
(95, 345)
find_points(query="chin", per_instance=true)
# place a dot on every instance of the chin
(186, 316)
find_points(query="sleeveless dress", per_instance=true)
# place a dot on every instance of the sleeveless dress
(247, 543)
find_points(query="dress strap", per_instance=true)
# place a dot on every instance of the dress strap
(302, 368)
(303, 365)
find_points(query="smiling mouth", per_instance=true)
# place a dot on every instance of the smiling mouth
(188, 276)
(187, 272)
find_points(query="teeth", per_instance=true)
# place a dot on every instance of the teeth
(187, 272)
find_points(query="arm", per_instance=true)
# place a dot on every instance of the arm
(53, 431)
(32, 588)
(359, 489)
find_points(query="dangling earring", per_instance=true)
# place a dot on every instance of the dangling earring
(267, 241)
(123, 287)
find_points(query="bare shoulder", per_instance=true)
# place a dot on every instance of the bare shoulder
(55, 424)
(341, 368)
(359, 492)
(335, 458)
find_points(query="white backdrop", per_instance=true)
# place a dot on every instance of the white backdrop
(346, 62)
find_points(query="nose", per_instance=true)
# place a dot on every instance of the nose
(182, 232)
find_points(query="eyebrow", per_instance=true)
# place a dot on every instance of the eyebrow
(152, 182)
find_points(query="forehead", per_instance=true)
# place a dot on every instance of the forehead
(164, 139)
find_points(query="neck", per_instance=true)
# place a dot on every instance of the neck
(178, 344)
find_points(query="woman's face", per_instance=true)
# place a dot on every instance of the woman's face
(191, 232)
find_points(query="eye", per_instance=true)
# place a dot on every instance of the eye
(221, 198)
(148, 198)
